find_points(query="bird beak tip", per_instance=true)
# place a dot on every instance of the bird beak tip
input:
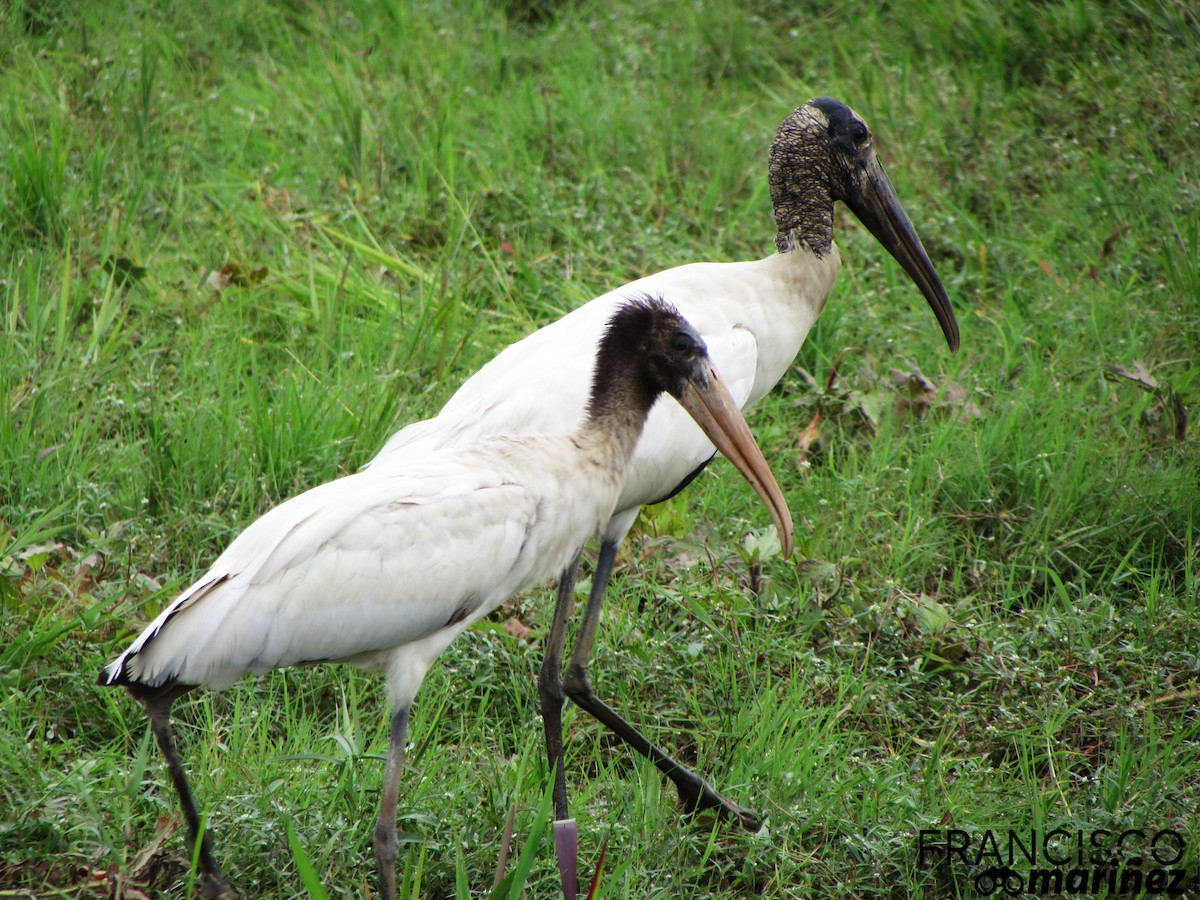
(880, 210)
(717, 414)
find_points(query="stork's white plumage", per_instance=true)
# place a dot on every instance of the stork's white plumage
(384, 568)
(344, 571)
(750, 340)
(754, 316)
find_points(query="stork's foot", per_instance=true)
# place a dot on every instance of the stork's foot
(699, 796)
(566, 848)
(387, 845)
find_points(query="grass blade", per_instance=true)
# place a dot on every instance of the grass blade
(304, 866)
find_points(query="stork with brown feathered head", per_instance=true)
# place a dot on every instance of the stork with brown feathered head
(754, 317)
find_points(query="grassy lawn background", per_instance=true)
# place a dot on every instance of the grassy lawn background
(240, 243)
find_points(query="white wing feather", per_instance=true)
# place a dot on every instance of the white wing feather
(374, 561)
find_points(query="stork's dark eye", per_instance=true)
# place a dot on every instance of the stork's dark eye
(859, 133)
(682, 343)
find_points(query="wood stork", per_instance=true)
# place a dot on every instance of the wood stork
(384, 568)
(753, 315)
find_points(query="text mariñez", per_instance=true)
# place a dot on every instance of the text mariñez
(1061, 860)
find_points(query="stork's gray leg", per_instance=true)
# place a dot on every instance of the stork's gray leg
(694, 791)
(158, 708)
(550, 687)
(387, 840)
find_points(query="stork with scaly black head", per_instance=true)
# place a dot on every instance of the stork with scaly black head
(384, 568)
(754, 317)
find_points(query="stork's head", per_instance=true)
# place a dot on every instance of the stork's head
(650, 346)
(824, 152)
(650, 349)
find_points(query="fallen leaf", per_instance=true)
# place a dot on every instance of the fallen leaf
(86, 571)
(917, 393)
(217, 279)
(518, 629)
(163, 829)
(684, 558)
(1138, 374)
(872, 405)
(31, 551)
(278, 201)
(808, 438)
(913, 382)
(1167, 418)
(235, 274)
(955, 396)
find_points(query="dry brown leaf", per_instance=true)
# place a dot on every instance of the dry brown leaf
(235, 274)
(164, 828)
(871, 405)
(217, 279)
(1139, 374)
(914, 382)
(87, 570)
(518, 629)
(955, 396)
(1167, 418)
(278, 201)
(43, 549)
(809, 438)
(917, 392)
(684, 558)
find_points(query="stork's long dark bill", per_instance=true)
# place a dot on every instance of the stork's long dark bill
(717, 413)
(878, 207)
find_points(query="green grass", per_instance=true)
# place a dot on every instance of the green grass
(241, 243)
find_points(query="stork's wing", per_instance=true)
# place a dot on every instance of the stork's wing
(361, 564)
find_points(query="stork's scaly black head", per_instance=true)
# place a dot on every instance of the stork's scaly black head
(824, 152)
